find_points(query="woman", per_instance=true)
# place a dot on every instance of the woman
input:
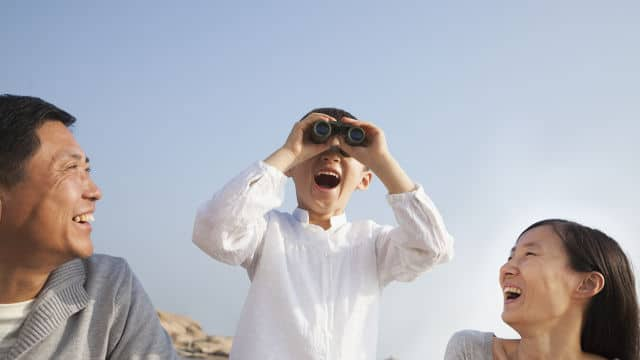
(569, 292)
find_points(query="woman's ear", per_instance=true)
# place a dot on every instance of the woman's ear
(592, 283)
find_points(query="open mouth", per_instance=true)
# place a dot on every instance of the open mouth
(511, 293)
(84, 218)
(327, 179)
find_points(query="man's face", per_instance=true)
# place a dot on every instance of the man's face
(47, 216)
(325, 182)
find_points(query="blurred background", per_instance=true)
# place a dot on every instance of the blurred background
(506, 112)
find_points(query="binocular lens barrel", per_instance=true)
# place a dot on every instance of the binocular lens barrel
(355, 136)
(322, 130)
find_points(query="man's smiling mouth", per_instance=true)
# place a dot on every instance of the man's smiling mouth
(84, 218)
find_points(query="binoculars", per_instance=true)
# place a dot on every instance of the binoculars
(322, 130)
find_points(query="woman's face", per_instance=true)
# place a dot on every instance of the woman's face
(537, 281)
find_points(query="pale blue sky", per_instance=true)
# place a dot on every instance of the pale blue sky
(507, 112)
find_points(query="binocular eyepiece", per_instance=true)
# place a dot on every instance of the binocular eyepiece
(322, 130)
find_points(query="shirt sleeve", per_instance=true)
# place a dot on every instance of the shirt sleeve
(418, 243)
(470, 345)
(456, 347)
(136, 331)
(230, 226)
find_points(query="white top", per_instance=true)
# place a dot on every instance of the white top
(11, 317)
(314, 294)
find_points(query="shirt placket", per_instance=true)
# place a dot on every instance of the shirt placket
(326, 294)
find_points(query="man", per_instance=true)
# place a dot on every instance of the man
(57, 300)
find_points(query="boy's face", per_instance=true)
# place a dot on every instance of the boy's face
(324, 183)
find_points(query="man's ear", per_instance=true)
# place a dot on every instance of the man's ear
(592, 283)
(365, 181)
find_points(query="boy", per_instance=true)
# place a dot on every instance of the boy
(316, 279)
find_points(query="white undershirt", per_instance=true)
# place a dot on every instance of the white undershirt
(11, 317)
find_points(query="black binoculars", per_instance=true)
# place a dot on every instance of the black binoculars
(322, 130)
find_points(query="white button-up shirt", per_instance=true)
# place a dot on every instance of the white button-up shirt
(314, 293)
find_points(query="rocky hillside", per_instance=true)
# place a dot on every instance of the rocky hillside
(191, 342)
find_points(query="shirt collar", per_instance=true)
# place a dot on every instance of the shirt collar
(303, 216)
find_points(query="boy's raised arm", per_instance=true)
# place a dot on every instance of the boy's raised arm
(419, 242)
(421, 239)
(229, 226)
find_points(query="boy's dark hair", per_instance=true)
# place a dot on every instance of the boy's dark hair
(20, 118)
(333, 112)
(611, 322)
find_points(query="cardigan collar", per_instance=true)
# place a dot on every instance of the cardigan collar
(62, 296)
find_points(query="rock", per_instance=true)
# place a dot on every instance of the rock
(191, 342)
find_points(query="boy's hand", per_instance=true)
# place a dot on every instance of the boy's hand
(298, 147)
(375, 155)
(375, 148)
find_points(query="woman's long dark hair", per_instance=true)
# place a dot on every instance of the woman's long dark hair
(612, 324)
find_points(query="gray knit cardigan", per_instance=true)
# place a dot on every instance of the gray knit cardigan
(92, 309)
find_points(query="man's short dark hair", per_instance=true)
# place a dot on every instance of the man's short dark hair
(20, 118)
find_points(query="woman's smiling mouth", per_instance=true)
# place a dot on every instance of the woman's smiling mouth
(511, 293)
